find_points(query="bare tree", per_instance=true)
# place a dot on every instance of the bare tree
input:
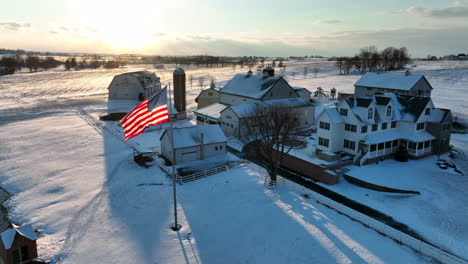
(348, 65)
(293, 74)
(316, 70)
(305, 72)
(339, 64)
(191, 80)
(212, 81)
(272, 128)
(201, 81)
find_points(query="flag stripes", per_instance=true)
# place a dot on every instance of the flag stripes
(135, 122)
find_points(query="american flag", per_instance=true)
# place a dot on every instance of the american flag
(152, 111)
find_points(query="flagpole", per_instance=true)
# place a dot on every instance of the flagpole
(176, 226)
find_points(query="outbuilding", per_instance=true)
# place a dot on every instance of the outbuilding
(18, 245)
(134, 85)
(193, 143)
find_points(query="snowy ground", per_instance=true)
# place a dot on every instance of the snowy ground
(439, 214)
(77, 184)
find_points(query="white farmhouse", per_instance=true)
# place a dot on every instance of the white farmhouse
(193, 143)
(373, 83)
(235, 118)
(134, 85)
(236, 101)
(374, 127)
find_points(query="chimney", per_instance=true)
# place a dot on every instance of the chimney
(269, 71)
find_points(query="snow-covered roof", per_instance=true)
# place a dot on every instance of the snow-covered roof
(191, 136)
(212, 110)
(407, 108)
(297, 89)
(389, 80)
(8, 236)
(252, 86)
(245, 110)
(438, 115)
(333, 114)
(393, 135)
(289, 102)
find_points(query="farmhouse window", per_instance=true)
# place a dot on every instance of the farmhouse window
(389, 111)
(323, 142)
(349, 144)
(351, 128)
(324, 125)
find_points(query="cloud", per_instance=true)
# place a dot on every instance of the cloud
(455, 10)
(92, 29)
(159, 34)
(14, 26)
(199, 37)
(326, 21)
(53, 32)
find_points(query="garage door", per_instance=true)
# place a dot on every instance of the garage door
(189, 155)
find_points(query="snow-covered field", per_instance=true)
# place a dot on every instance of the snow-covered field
(73, 178)
(78, 185)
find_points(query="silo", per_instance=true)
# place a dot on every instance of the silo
(179, 89)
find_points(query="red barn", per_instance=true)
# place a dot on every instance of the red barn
(18, 245)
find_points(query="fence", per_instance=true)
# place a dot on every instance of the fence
(205, 173)
(418, 245)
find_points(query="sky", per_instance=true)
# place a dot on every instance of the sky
(233, 28)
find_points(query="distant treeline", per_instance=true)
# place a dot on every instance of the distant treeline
(10, 65)
(371, 59)
(202, 60)
(15, 63)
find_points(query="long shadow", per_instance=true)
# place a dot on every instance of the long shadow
(137, 210)
(235, 229)
(308, 183)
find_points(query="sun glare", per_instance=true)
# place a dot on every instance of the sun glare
(121, 25)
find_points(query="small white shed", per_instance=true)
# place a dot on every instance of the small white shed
(193, 143)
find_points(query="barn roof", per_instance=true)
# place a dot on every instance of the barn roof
(8, 236)
(288, 102)
(388, 80)
(191, 136)
(248, 85)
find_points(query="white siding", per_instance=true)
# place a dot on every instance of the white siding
(229, 123)
(125, 87)
(334, 135)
